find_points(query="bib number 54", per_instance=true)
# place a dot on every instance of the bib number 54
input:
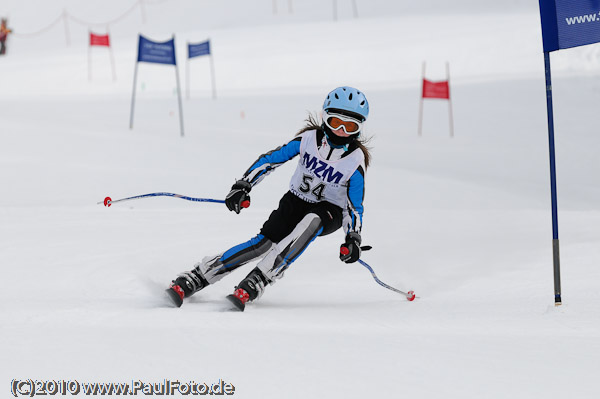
(306, 187)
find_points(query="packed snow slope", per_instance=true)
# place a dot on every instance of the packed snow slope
(463, 221)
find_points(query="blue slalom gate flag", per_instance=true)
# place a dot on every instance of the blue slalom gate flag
(156, 52)
(565, 24)
(199, 49)
(569, 23)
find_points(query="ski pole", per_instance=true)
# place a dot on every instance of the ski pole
(109, 201)
(410, 295)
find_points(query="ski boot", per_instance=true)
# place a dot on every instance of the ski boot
(185, 285)
(249, 289)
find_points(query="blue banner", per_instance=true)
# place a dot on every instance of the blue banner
(160, 53)
(196, 50)
(569, 23)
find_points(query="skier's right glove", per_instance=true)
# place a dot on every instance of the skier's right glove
(350, 250)
(238, 197)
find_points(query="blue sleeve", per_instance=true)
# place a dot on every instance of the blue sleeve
(266, 163)
(356, 195)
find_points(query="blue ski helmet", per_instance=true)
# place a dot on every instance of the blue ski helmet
(348, 100)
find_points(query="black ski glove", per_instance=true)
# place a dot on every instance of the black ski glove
(350, 250)
(238, 197)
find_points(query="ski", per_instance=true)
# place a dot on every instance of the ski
(175, 294)
(236, 302)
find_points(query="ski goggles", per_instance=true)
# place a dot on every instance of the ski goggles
(335, 121)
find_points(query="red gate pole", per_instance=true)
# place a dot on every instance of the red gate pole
(450, 118)
(420, 131)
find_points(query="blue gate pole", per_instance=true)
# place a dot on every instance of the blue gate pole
(555, 246)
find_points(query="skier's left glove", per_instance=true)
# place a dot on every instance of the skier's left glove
(238, 197)
(350, 250)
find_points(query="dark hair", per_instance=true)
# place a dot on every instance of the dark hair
(362, 142)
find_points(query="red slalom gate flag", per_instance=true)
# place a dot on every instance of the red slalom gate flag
(99, 40)
(436, 89)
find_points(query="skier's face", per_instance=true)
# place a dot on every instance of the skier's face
(340, 132)
(341, 125)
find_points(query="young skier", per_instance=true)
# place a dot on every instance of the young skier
(326, 192)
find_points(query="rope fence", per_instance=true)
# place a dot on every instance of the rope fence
(39, 32)
(65, 15)
(110, 22)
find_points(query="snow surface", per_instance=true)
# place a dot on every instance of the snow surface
(465, 222)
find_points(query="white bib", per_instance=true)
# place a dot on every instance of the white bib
(319, 179)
